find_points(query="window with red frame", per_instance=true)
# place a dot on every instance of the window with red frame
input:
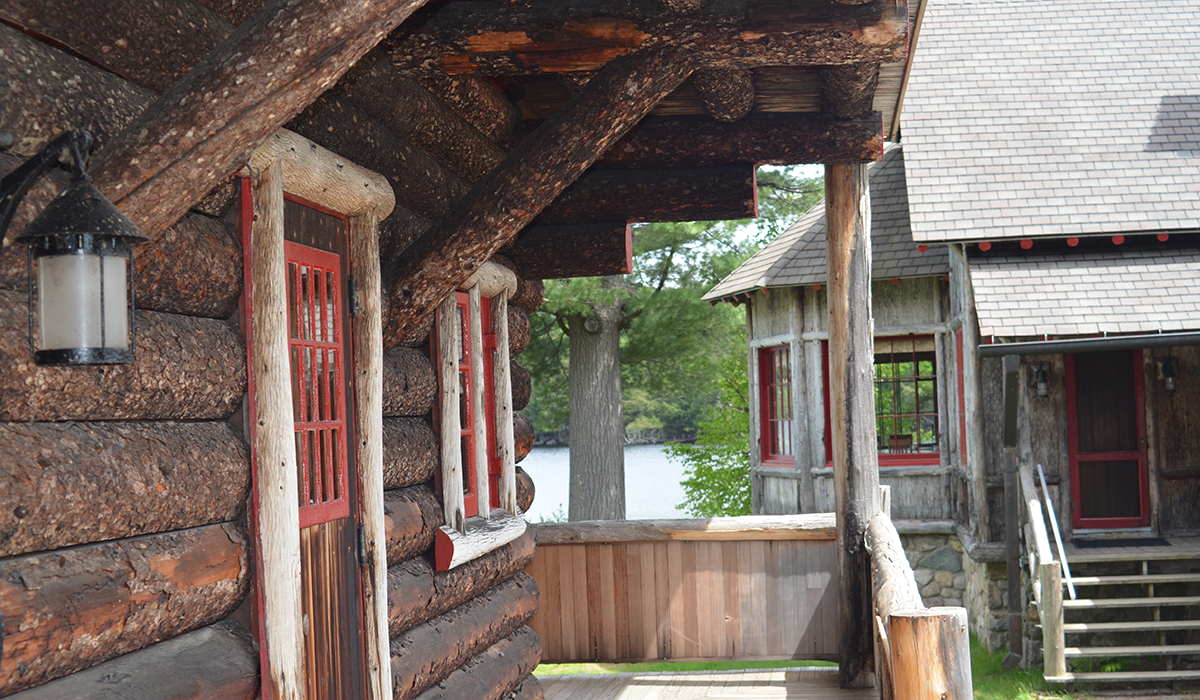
(906, 400)
(775, 393)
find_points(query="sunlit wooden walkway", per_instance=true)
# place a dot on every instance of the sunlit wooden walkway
(778, 684)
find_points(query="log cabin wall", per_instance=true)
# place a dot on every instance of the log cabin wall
(124, 547)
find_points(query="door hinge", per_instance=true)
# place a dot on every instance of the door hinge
(352, 295)
(362, 547)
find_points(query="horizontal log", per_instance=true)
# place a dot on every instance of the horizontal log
(523, 436)
(895, 586)
(72, 609)
(477, 101)
(815, 526)
(234, 11)
(184, 368)
(143, 477)
(493, 279)
(217, 662)
(409, 382)
(726, 93)
(657, 194)
(530, 293)
(522, 386)
(480, 535)
(481, 37)
(518, 330)
(563, 250)
(760, 138)
(428, 653)
(849, 91)
(502, 670)
(525, 490)
(417, 593)
(410, 518)
(410, 452)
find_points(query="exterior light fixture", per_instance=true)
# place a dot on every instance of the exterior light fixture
(1168, 373)
(84, 251)
(1043, 383)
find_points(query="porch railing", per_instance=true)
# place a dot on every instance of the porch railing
(1046, 573)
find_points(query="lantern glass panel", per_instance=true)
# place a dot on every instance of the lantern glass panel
(70, 299)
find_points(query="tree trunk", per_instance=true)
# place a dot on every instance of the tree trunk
(497, 672)
(597, 489)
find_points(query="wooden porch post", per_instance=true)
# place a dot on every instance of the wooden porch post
(852, 408)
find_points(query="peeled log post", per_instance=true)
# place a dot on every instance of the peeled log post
(410, 452)
(411, 516)
(530, 293)
(559, 251)
(931, 654)
(477, 101)
(522, 386)
(185, 369)
(269, 69)
(523, 436)
(518, 189)
(417, 593)
(852, 407)
(518, 330)
(143, 477)
(726, 93)
(429, 652)
(409, 382)
(217, 662)
(71, 609)
(503, 669)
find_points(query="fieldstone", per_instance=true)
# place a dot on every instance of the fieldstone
(945, 559)
(930, 589)
(960, 582)
(956, 545)
(923, 576)
(952, 602)
(944, 578)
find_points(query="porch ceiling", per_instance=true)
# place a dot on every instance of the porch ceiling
(1065, 294)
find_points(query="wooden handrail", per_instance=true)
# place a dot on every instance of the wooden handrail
(813, 526)
(1062, 552)
(1048, 580)
(1041, 541)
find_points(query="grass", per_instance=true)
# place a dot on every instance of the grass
(677, 666)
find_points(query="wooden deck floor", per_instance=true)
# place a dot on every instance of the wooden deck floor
(775, 684)
(1181, 547)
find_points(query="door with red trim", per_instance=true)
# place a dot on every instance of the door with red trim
(316, 250)
(1106, 434)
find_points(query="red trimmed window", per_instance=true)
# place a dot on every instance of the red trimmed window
(775, 394)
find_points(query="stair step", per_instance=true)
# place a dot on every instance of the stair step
(1126, 676)
(1134, 578)
(1142, 626)
(1105, 652)
(1097, 603)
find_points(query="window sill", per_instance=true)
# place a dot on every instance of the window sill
(452, 548)
(893, 469)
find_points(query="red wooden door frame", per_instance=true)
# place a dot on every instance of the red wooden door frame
(1139, 400)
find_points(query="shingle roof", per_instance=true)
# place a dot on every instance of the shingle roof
(797, 256)
(1114, 291)
(1028, 118)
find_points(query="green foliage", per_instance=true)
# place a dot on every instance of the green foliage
(991, 681)
(717, 466)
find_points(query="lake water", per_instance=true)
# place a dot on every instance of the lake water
(652, 487)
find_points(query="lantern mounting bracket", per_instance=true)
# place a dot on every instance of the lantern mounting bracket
(14, 185)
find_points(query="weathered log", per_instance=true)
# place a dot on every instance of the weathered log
(760, 137)
(217, 662)
(143, 477)
(813, 526)
(271, 67)
(518, 330)
(429, 652)
(522, 386)
(234, 11)
(409, 382)
(184, 369)
(523, 436)
(485, 38)
(726, 93)
(518, 189)
(931, 654)
(420, 183)
(411, 517)
(560, 251)
(477, 101)
(396, 233)
(71, 609)
(525, 490)
(410, 452)
(657, 194)
(895, 587)
(849, 91)
(503, 669)
(411, 112)
(530, 294)
(417, 593)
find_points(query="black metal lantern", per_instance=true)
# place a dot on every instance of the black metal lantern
(1168, 374)
(1043, 382)
(84, 251)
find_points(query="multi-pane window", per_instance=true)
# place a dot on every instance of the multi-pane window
(906, 418)
(775, 382)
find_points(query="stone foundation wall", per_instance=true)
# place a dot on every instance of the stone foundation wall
(947, 576)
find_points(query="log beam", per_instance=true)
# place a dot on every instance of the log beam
(71, 609)
(726, 93)
(852, 408)
(563, 250)
(477, 101)
(410, 452)
(847, 92)
(409, 382)
(652, 194)
(479, 37)
(503, 668)
(269, 69)
(530, 293)
(411, 516)
(518, 189)
(144, 477)
(760, 138)
(522, 385)
(519, 330)
(523, 436)
(525, 490)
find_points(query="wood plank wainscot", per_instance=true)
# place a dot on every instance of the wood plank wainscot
(752, 587)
